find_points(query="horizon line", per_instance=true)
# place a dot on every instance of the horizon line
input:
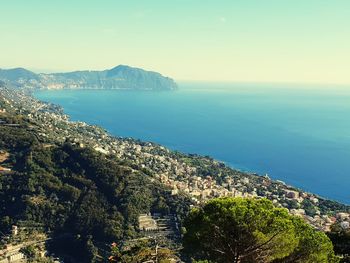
(233, 81)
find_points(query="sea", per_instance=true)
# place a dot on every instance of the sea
(299, 134)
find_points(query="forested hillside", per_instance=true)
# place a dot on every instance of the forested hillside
(74, 191)
(119, 77)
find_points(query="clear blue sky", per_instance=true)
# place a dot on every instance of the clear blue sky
(217, 40)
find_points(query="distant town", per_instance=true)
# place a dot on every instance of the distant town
(200, 178)
(180, 172)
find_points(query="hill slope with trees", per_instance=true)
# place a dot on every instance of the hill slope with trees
(119, 77)
(73, 191)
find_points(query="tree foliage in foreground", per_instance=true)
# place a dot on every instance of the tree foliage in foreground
(142, 251)
(252, 230)
(341, 241)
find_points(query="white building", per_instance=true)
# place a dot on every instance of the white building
(345, 225)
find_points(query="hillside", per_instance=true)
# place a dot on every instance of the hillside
(73, 191)
(84, 188)
(120, 77)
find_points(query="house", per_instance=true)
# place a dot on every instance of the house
(4, 169)
(292, 194)
(14, 230)
(101, 150)
(345, 225)
(342, 216)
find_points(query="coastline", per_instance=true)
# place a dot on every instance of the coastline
(233, 126)
(201, 178)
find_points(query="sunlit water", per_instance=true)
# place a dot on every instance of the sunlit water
(300, 135)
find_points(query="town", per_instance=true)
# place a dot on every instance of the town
(201, 178)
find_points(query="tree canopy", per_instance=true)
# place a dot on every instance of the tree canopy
(341, 241)
(83, 197)
(252, 230)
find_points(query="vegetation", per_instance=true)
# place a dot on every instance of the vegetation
(122, 77)
(341, 240)
(142, 251)
(29, 252)
(252, 230)
(84, 198)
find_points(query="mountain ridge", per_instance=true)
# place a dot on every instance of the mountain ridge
(119, 77)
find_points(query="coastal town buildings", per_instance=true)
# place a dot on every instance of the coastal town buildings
(200, 178)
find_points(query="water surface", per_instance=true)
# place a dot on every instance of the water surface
(300, 135)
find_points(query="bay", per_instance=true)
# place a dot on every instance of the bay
(298, 134)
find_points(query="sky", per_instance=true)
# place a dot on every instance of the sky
(206, 40)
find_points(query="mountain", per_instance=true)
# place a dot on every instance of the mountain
(120, 77)
(18, 76)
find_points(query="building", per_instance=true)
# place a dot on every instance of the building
(292, 194)
(342, 216)
(147, 223)
(14, 230)
(4, 169)
(345, 225)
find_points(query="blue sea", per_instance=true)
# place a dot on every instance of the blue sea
(298, 134)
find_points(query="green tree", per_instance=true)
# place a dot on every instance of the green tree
(29, 252)
(142, 251)
(252, 230)
(309, 207)
(341, 242)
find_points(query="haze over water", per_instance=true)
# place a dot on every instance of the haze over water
(300, 135)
